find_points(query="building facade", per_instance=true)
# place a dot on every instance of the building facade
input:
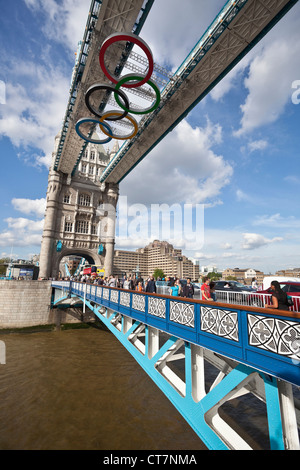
(158, 254)
(74, 223)
(244, 275)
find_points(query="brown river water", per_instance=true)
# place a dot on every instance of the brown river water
(80, 389)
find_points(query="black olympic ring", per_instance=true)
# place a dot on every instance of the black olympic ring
(116, 116)
(103, 86)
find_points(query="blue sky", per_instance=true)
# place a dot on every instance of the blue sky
(237, 152)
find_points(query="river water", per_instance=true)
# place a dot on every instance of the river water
(80, 389)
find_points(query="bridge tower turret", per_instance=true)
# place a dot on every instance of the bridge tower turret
(74, 225)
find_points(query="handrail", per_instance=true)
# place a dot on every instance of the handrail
(248, 308)
(267, 340)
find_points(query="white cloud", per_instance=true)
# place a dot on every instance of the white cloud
(292, 179)
(22, 224)
(174, 27)
(271, 74)
(12, 238)
(32, 116)
(64, 21)
(276, 220)
(255, 240)
(257, 145)
(183, 168)
(226, 246)
(30, 206)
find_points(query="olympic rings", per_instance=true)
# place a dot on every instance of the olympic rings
(137, 79)
(125, 137)
(129, 77)
(92, 141)
(101, 86)
(130, 38)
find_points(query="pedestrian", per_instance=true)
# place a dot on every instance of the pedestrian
(139, 287)
(254, 283)
(151, 287)
(205, 289)
(188, 289)
(176, 289)
(279, 297)
(213, 290)
(112, 281)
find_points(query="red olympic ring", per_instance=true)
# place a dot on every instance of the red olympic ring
(129, 38)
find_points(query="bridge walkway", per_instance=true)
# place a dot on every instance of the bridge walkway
(254, 351)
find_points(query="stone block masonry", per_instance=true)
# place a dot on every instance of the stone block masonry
(25, 303)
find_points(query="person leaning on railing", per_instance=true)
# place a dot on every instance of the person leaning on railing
(279, 298)
(205, 289)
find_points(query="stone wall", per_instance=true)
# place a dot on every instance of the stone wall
(27, 303)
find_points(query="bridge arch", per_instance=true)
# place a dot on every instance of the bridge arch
(89, 255)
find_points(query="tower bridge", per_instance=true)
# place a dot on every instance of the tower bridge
(255, 352)
(236, 29)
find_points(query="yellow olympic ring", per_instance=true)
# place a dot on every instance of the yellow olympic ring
(117, 113)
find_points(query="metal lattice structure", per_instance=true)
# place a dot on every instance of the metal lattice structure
(240, 25)
(255, 354)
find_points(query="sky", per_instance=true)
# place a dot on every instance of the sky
(236, 155)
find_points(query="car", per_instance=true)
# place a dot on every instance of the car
(233, 292)
(232, 286)
(260, 298)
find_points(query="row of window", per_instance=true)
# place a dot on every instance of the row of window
(81, 226)
(93, 155)
(92, 170)
(83, 200)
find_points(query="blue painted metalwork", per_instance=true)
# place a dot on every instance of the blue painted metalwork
(263, 345)
(266, 341)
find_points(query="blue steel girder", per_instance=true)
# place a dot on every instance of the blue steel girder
(254, 349)
(240, 25)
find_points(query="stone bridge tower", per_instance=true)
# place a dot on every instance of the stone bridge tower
(80, 214)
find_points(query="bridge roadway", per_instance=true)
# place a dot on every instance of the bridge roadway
(240, 25)
(255, 351)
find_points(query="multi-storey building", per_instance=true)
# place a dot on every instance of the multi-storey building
(244, 275)
(158, 254)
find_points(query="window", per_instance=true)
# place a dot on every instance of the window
(294, 288)
(67, 198)
(91, 170)
(92, 157)
(84, 200)
(94, 229)
(83, 168)
(82, 226)
(68, 226)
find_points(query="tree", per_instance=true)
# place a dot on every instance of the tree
(213, 275)
(158, 273)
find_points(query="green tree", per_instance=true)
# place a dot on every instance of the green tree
(213, 275)
(158, 273)
(3, 267)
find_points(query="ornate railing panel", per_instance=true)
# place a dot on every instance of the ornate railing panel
(265, 339)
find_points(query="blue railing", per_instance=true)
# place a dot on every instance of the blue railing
(266, 340)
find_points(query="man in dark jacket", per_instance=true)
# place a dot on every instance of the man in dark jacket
(188, 289)
(151, 287)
